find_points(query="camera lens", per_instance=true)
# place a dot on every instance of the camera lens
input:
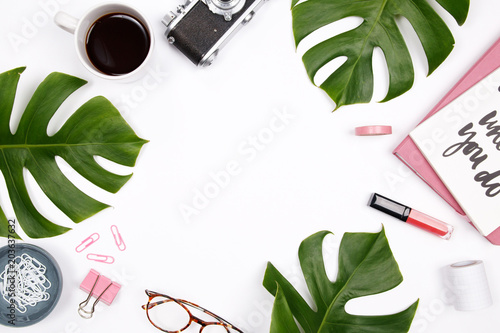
(226, 8)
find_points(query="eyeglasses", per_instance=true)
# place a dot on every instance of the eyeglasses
(173, 315)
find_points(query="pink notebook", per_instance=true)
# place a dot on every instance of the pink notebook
(408, 152)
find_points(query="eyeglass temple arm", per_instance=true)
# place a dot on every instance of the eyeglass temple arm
(152, 305)
(220, 319)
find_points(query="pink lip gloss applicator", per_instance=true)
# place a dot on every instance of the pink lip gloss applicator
(411, 216)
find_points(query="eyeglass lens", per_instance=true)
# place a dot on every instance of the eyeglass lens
(215, 329)
(169, 315)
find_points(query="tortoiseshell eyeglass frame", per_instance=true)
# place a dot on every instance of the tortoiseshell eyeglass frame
(220, 321)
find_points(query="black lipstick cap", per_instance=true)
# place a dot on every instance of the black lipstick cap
(389, 206)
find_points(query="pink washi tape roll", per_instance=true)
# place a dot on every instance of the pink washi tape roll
(373, 130)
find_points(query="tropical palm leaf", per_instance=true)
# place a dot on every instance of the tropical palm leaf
(95, 129)
(352, 82)
(366, 267)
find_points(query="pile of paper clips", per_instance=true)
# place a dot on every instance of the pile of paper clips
(24, 282)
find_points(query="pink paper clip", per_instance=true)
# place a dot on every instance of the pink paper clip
(118, 238)
(101, 258)
(99, 286)
(87, 242)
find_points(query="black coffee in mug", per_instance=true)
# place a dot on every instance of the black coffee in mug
(117, 43)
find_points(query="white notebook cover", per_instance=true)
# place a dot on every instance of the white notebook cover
(462, 144)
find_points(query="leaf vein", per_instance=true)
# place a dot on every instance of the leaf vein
(376, 21)
(347, 283)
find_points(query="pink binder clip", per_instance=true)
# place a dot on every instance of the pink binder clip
(118, 238)
(87, 242)
(101, 258)
(99, 286)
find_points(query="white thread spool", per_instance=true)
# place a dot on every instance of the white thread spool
(468, 282)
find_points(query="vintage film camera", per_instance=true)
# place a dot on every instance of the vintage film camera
(200, 28)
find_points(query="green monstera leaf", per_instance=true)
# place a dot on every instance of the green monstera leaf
(366, 267)
(95, 129)
(352, 82)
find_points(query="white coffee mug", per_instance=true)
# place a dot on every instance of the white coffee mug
(80, 28)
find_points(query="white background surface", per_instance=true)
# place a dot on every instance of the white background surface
(313, 175)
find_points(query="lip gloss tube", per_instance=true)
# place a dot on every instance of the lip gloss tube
(411, 216)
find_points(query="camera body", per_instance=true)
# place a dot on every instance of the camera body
(200, 28)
